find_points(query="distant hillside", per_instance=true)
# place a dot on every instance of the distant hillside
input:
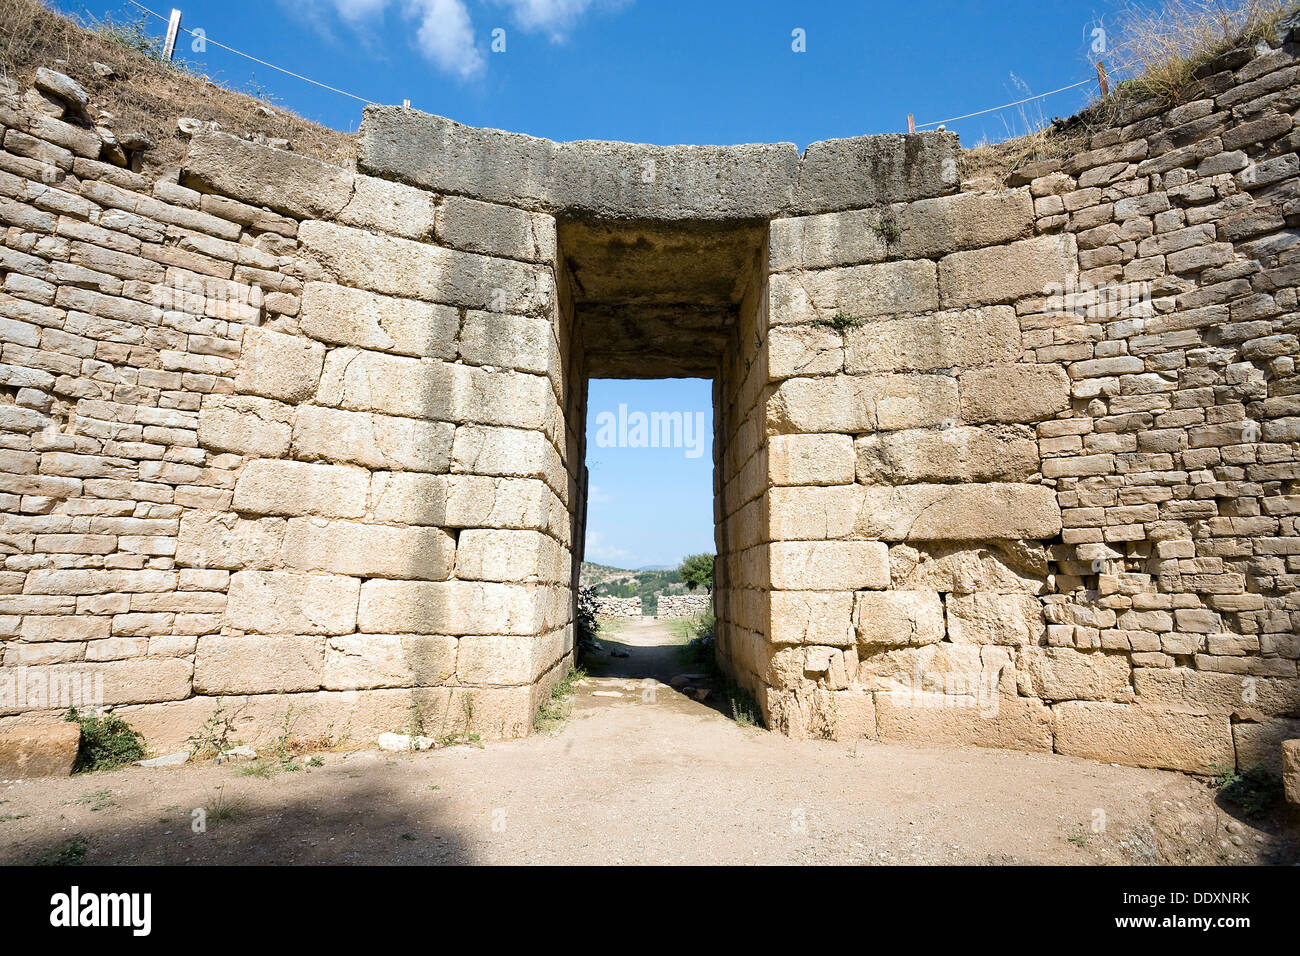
(621, 582)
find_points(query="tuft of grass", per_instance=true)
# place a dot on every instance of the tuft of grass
(98, 799)
(107, 742)
(71, 853)
(554, 709)
(1256, 790)
(888, 230)
(840, 322)
(744, 708)
(1164, 48)
(223, 810)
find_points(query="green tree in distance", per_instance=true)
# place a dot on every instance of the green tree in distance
(697, 571)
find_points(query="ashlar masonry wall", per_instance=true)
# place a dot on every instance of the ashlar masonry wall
(1009, 461)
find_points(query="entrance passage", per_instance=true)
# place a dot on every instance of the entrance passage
(649, 505)
(668, 322)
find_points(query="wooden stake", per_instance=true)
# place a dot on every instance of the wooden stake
(911, 123)
(173, 28)
(1101, 78)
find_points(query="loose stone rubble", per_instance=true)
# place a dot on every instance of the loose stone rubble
(1009, 464)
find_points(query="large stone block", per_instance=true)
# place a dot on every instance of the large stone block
(39, 750)
(401, 267)
(923, 230)
(1260, 742)
(856, 291)
(475, 501)
(810, 460)
(835, 404)
(965, 569)
(390, 207)
(280, 366)
(281, 602)
(1006, 721)
(828, 565)
(520, 557)
(222, 540)
(864, 171)
(369, 550)
(1126, 733)
(812, 514)
(343, 316)
(794, 350)
(958, 512)
(449, 607)
(520, 342)
(257, 664)
(409, 498)
(988, 618)
(1241, 696)
(496, 659)
(295, 488)
(287, 182)
(363, 661)
(89, 685)
(415, 388)
(1018, 270)
(496, 230)
(947, 455)
(245, 425)
(373, 440)
(1062, 673)
(941, 340)
(505, 452)
(897, 618)
(913, 401)
(811, 617)
(1014, 393)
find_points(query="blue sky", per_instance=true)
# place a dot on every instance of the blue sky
(666, 72)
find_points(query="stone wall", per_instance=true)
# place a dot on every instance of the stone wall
(1008, 462)
(684, 605)
(1034, 487)
(618, 607)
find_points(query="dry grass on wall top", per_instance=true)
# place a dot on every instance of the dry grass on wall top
(147, 95)
(1163, 51)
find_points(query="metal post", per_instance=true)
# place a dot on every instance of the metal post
(173, 28)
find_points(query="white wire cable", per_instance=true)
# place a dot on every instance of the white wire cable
(230, 49)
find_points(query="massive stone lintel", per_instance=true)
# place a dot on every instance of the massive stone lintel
(640, 181)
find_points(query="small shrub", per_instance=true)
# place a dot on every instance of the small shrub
(1255, 790)
(71, 853)
(107, 742)
(888, 230)
(213, 738)
(131, 35)
(839, 322)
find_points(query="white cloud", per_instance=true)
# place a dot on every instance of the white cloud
(446, 36)
(603, 553)
(555, 17)
(357, 11)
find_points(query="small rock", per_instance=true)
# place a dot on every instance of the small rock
(399, 743)
(280, 144)
(188, 125)
(266, 111)
(104, 70)
(606, 693)
(135, 141)
(167, 760)
(242, 752)
(62, 87)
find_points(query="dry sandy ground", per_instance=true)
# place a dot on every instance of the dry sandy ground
(648, 776)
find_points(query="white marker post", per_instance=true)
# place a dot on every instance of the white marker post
(173, 28)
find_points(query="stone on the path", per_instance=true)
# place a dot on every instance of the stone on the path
(166, 760)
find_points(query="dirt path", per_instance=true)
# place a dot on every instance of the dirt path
(639, 774)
